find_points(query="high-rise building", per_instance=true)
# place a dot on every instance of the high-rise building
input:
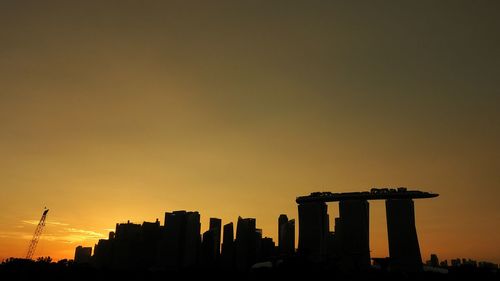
(215, 226)
(193, 239)
(151, 234)
(286, 235)
(227, 254)
(353, 235)
(181, 240)
(208, 248)
(313, 231)
(103, 252)
(126, 246)
(246, 243)
(267, 249)
(83, 254)
(282, 220)
(404, 249)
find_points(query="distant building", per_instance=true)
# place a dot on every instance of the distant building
(286, 235)
(313, 231)
(83, 254)
(433, 261)
(469, 262)
(456, 262)
(488, 265)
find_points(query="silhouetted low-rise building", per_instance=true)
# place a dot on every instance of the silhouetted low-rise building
(433, 261)
(488, 265)
(456, 262)
(83, 254)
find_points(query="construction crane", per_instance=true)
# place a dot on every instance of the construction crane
(36, 236)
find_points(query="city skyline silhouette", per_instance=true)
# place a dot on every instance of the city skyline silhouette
(116, 111)
(179, 248)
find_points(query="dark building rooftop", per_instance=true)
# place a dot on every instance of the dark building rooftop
(373, 194)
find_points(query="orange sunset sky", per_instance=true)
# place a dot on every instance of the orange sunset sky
(121, 110)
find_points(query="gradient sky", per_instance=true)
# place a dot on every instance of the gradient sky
(127, 109)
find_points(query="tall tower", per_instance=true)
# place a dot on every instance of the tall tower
(227, 253)
(404, 250)
(215, 225)
(313, 230)
(181, 239)
(353, 234)
(246, 243)
(286, 235)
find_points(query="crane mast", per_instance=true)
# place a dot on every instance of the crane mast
(36, 236)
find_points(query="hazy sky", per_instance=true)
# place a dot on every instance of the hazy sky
(111, 111)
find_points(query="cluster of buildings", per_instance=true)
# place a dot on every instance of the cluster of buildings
(454, 263)
(179, 244)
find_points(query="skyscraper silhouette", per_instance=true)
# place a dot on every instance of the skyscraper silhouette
(210, 245)
(126, 246)
(404, 250)
(181, 241)
(83, 254)
(208, 248)
(313, 230)
(150, 237)
(286, 235)
(227, 254)
(246, 243)
(353, 235)
(215, 226)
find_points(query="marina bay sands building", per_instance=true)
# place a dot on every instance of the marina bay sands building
(313, 230)
(353, 234)
(351, 237)
(403, 242)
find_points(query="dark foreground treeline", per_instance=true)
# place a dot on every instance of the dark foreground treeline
(45, 269)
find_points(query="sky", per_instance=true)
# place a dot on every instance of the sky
(122, 110)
